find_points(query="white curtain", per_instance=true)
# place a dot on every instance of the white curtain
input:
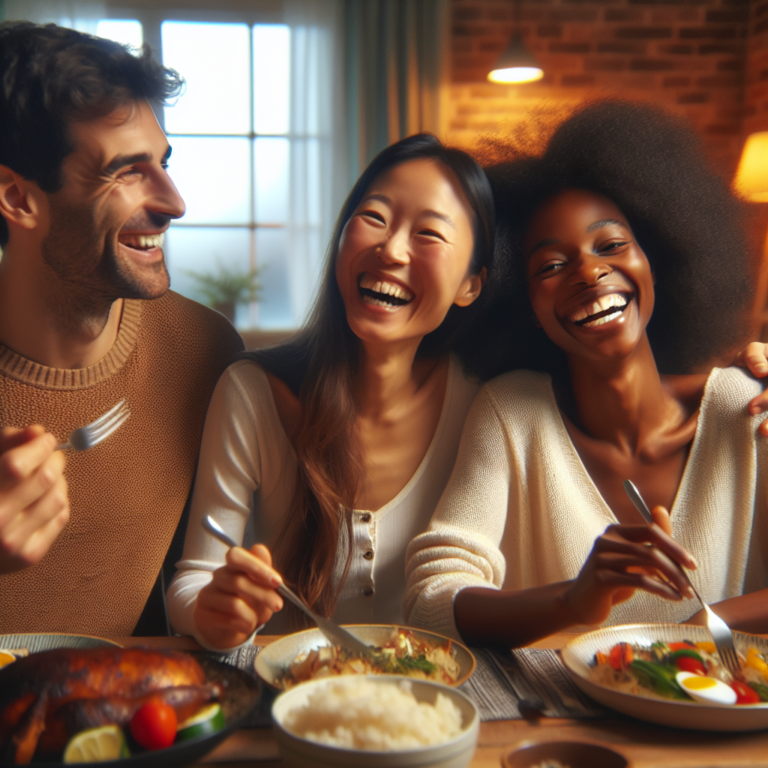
(82, 15)
(319, 157)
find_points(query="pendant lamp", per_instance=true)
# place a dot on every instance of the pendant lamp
(516, 64)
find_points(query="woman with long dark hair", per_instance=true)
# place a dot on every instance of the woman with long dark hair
(329, 453)
(628, 272)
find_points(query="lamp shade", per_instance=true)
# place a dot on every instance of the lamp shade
(752, 175)
(516, 64)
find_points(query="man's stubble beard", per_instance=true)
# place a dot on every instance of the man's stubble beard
(87, 276)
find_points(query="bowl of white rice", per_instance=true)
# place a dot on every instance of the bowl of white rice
(375, 721)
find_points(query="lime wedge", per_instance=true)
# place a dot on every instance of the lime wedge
(96, 745)
(207, 721)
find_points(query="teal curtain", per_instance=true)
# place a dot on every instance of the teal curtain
(395, 69)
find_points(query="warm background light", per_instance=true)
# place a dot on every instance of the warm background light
(751, 183)
(516, 75)
(516, 65)
(752, 176)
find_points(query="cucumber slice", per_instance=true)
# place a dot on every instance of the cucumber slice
(208, 720)
(96, 745)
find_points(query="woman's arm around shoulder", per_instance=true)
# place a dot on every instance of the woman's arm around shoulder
(747, 612)
(754, 357)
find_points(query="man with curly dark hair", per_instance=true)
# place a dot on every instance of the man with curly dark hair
(627, 273)
(86, 320)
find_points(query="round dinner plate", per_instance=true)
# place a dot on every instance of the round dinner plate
(273, 660)
(579, 655)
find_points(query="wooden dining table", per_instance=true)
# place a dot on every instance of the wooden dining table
(643, 744)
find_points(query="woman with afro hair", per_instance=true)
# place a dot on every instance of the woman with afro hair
(626, 273)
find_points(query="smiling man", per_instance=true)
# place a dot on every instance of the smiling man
(86, 320)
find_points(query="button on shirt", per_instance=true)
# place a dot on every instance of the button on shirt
(375, 585)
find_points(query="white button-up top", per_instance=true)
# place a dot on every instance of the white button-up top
(245, 480)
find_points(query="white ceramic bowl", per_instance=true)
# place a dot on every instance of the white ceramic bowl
(297, 752)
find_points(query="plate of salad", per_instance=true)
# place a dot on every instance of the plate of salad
(670, 674)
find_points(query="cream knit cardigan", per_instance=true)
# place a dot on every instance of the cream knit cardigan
(521, 511)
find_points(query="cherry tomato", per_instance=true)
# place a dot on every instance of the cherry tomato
(620, 656)
(744, 694)
(687, 664)
(154, 725)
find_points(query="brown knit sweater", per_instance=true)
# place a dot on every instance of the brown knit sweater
(127, 493)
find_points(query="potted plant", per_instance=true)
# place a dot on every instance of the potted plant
(226, 287)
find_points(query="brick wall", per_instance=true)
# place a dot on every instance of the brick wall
(706, 60)
(756, 70)
(698, 58)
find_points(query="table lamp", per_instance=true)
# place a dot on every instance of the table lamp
(751, 183)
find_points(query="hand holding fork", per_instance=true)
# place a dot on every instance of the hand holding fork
(34, 503)
(720, 631)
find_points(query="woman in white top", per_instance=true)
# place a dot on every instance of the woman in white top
(330, 452)
(619, 220)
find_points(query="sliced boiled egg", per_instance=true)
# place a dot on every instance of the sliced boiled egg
(707, 690)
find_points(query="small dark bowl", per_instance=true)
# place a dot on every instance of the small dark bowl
(570, 754)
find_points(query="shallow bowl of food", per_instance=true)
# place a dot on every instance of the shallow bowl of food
(307, 655)
(563, 754)
(619, 692)
(377, 721)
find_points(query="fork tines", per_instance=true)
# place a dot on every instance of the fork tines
(105, 425)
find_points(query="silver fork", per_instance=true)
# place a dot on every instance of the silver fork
(83, 438)
(336, 634)
(720, 631)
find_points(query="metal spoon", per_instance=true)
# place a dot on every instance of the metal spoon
(336, 634)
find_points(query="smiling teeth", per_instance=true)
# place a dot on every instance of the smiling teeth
(381, 292)
(143, 242)
(582, 314)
